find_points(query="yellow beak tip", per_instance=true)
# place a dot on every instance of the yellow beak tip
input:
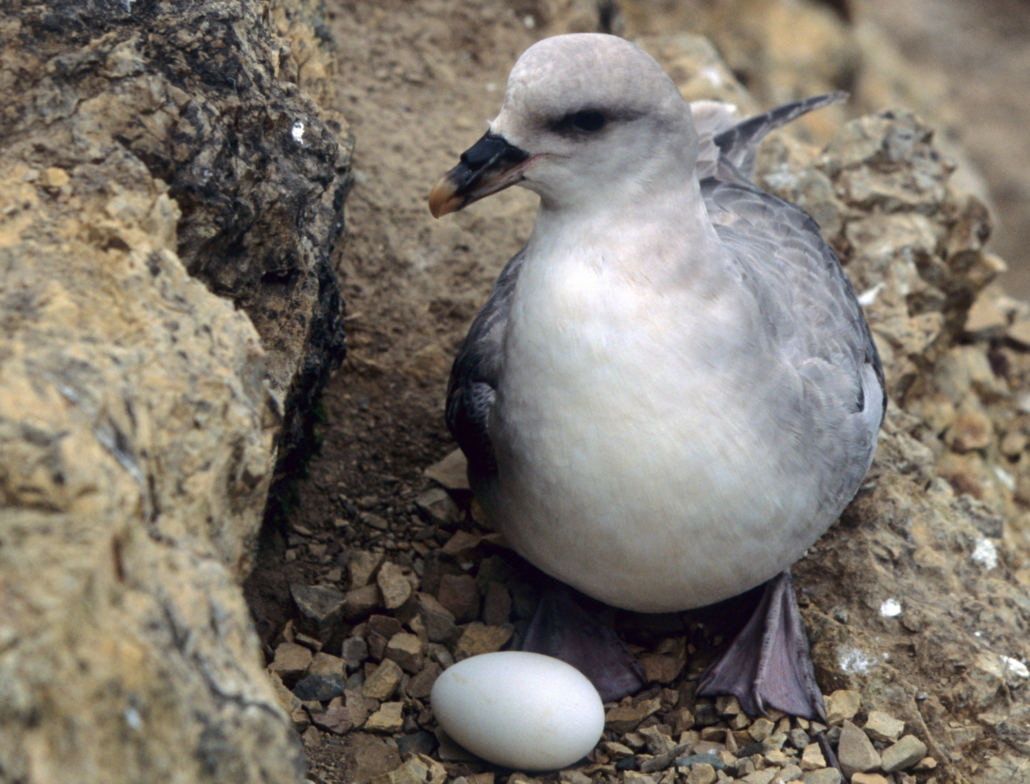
(443, 198)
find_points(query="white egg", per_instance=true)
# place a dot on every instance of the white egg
(521, 710)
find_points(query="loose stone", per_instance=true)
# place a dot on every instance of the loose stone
(383, 681)
(406, 650)
(903, 754)
(824, 776)
(881, 726)
(812, 757)
(388, 718)
(855, 751)
(842, 704)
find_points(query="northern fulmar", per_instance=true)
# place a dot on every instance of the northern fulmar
(671, 391)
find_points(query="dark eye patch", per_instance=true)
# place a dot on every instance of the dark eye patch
(585, 121)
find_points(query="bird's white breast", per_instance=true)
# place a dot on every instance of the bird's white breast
(637, 462)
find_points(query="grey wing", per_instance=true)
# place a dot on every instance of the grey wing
(473, 383)
(728, 149)
(809, 311)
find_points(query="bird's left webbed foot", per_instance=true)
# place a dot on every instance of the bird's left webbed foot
(768, 664)
(572, 627)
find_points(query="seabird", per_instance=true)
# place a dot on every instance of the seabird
(671, 391)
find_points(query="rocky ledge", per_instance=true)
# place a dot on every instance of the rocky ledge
(169, 196)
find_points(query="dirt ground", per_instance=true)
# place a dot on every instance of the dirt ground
(417, 82)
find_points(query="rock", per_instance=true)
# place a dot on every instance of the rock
(355, 651)
(406, 650)
(387, 719)
(379, 630)
(394, 584)
(824, 776)
(320, 609)
(460, 543)
(855, 751)
(880, 726)
(812, 758)
(419, 769)
(291, 661)
(383, 681)
(451, 472)
(336, 720)
(362, 567)
(925, 764)
(760, 729)
(366, 756)
(842, 705)
(904, 754)
(477, 638)
(701, 773)
(147, 372)
(421, 742)
(421, 684)
(321, 688)
(326, 664)
(360, 706)
(439, 508)
(791, 772)
(868, 778)
(625, 718)
(496, 605)
(460, 595)
(437, 620)
(359, 602)
(764, 776)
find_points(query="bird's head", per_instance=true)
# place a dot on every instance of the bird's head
(580, 113)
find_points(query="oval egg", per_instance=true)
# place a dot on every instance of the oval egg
(521, 710)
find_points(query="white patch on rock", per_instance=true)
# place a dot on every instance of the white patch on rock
(712, 75)
(1005, 478)
(298, 132)
(856, 662)
(986, 554)
(1016, 666)
(890, 608)
(868, 297)
(134, 720)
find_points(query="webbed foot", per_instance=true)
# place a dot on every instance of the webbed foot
(768, 664)
(570, 627)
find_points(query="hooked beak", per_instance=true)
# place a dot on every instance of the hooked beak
(490, 165)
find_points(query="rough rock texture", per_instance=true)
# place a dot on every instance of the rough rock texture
(168, 200)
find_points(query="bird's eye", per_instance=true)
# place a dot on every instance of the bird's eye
(586, 121)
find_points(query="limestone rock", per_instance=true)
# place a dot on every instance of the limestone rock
(151, 181)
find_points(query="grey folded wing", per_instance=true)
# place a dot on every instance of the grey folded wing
(473, 383)
(810, 313)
